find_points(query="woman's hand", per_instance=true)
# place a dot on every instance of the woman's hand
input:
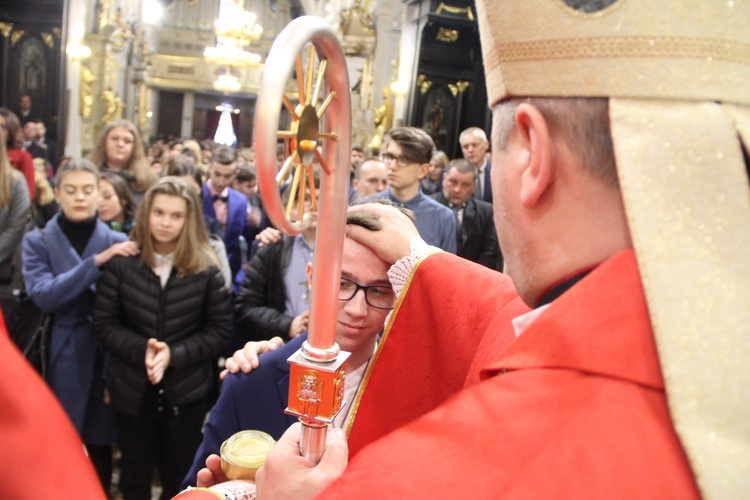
(125, 248)
(158, 356)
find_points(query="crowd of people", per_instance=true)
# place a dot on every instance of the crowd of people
(555, 378)
(140, 252)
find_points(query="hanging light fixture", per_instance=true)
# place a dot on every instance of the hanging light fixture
(227, 55)
(235, 29)
(227, 81)
(237, 24)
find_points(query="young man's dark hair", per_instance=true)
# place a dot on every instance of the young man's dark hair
(415, 143)
(224, 155)
(184, 165)
(245, 173)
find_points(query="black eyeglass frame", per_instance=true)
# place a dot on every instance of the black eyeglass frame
(366, 288)
(402, 161)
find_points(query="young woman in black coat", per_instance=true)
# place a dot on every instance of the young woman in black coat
(163, 316)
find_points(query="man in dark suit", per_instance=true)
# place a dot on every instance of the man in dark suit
(25, 111)
(257, 400)
(223, 203)
(476, 238)
(474, 146)
(52, 151)
(31, 142)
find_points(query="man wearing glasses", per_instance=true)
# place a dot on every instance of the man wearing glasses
(407, 158)
(257, 400)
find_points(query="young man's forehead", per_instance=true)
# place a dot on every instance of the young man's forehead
(394, 147)
(369, 279)
(222, 167)
(362, 265)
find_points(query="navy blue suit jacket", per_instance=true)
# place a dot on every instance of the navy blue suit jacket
(254, 400)
(487, 185)
(236, 222)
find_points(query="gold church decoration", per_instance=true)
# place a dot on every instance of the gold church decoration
(450, 9)
(446, 35)
(48, 39)
(16, 36)
(6, 28)
(87, 95)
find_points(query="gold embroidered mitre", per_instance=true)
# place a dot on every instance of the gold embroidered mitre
(677, 75)
(692, 49)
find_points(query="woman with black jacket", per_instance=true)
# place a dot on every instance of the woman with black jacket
(163, 316)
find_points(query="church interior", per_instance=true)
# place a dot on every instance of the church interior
(174, 67)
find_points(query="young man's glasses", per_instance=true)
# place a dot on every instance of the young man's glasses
(377, 296)
(401, 161)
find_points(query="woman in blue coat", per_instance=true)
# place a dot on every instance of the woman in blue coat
(60, 268)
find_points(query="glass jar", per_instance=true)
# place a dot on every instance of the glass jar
(244, 453)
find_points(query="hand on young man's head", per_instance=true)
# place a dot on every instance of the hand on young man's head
(383, 228)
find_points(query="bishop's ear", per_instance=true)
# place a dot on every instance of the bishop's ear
(534, 135)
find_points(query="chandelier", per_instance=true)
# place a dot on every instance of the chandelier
(228, 55)
(238, 24)
(235, 29)
(227, 82)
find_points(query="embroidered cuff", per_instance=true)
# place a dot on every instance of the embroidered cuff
(400, 271)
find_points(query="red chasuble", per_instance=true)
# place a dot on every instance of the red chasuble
(41, 452)
(575, 408)
(452, 318)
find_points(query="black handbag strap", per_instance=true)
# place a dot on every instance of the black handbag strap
(41, 334)
(40, 338)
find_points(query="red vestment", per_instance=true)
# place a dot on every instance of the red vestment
(575, 408)
(41, 453)
(430, 366)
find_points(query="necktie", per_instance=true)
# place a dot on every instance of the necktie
(457, 214)
(218, 197)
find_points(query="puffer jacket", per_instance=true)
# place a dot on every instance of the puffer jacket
(260, 304)
(192, 314)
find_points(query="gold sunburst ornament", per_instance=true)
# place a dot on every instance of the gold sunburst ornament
(304, 137)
